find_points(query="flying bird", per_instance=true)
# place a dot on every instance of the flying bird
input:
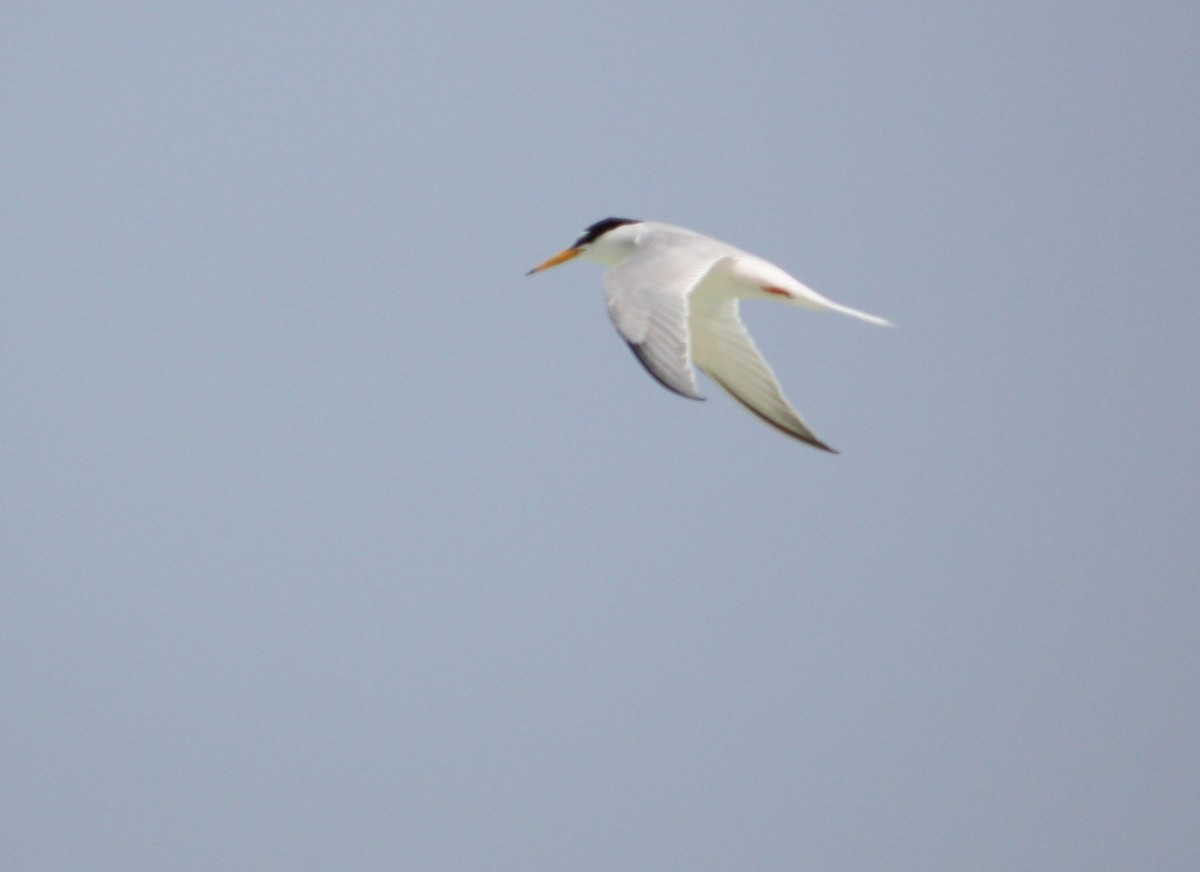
(673, 294)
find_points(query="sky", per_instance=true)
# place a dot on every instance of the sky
(332, 541)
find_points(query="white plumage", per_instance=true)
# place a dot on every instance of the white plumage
(673, 295)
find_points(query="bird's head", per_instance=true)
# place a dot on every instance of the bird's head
(608, 242)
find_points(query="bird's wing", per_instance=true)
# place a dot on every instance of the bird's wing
(648, 298)
(723, 349)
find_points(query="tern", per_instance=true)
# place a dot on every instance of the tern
(673, 294)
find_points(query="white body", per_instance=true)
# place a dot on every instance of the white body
(673, 294)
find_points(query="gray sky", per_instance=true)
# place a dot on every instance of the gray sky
(331, 541)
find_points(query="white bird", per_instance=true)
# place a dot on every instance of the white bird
(673, 295)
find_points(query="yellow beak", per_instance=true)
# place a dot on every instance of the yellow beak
(562, 257)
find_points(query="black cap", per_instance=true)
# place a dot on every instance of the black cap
(600, 228)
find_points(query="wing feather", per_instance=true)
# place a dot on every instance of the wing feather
(648, 298)
(723, 349)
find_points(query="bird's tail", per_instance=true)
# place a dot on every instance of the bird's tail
(802, 295)
(862, 316)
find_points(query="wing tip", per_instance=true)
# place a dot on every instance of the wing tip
(643, 358)
(807, 439)
(817, 443)
(802, 435)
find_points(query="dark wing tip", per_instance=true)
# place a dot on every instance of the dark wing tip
(802, 437)
(806, 438)
(643, 358)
